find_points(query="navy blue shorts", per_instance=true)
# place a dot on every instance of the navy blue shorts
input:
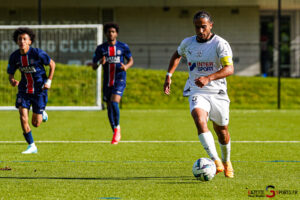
(118, 89)
(38, 101)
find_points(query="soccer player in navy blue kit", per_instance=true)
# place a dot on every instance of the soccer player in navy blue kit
(32, 89)
(111, 55)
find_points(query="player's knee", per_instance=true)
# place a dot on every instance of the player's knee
(23, 118)
(36, 123)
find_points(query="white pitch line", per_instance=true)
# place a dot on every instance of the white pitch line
(137, 141)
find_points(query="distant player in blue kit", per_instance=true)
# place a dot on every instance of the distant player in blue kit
(32, 89)
(112, 55)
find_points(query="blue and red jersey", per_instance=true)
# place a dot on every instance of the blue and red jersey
(114, 55)
(31, 65)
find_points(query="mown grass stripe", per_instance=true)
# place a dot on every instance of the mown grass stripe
(141, 141)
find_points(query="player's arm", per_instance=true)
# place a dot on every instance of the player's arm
(47, 85)
(102, 61)
(225, 55)
(12, 80)
(128, 65)
(175, 59)
(11, 69)
(98, 58)
(227, 70)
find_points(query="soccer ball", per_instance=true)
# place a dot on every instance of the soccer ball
(45, 116)
(204, 169)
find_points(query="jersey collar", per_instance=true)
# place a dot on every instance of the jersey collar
(203, 41)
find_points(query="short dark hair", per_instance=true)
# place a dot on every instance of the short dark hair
(24, 30)
(202, 14)
(111, 25)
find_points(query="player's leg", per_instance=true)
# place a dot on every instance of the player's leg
(110, 115)
(220, 118)
(23, 103)
(39, 103)
(27, 131)
(225, 145)
(117, 92)
(115, 100)
(200, 108)
(37, 119)
(106, 98)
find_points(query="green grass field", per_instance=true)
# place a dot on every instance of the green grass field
(147, 170)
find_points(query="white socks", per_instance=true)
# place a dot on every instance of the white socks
(225, 148)
(32, 145)
(208, 142)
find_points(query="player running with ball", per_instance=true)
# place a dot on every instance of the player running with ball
(209, 59)
(32, 89)
(112, 55)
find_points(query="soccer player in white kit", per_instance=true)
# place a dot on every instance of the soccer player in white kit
(209, 59)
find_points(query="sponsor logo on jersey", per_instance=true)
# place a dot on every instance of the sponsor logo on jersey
(202, 66)
(28, 69)
(113, 59)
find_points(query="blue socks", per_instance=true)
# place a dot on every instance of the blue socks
(116, 112)
(28, 137)
(110, 115)
(113, 113)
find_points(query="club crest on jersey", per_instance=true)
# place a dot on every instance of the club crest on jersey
(119, 52)
(31, 61)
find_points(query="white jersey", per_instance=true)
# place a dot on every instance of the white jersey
(204, 59)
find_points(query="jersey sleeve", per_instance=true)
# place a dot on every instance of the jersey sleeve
(43, 56)
(127, 52)
(98, 54)
(11, 67)
(182, 47)
(224, 53)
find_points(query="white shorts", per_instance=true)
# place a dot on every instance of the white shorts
(217, 106)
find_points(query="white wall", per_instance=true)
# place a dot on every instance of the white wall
(154, 34)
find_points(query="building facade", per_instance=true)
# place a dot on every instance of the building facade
(154, 28)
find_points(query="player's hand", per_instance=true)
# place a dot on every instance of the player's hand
(95, 66)
(202, 81)
(123, 67)
(103, 60)
(167, 85)
(14, 82)
(47, 85)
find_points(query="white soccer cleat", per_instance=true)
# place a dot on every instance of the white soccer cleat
(45, 116)
(30, 149)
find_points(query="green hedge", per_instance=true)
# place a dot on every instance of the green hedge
(145, 89)
(75, 85)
